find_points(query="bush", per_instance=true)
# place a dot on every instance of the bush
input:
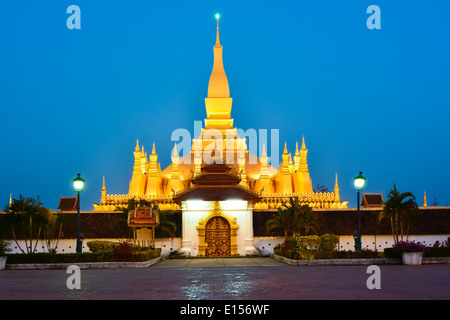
(410, 246)
(123, 251)
(323, 247)
(100, 246)
(405, 246)
(307, 246)
(105, 256)
(60, 257)
(328, 242)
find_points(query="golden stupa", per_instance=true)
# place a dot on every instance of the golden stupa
(220, 143)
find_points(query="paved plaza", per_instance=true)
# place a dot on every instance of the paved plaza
(230, 279)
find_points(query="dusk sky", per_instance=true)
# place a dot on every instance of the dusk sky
(371, 100)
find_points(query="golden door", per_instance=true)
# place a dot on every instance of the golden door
(217, 236)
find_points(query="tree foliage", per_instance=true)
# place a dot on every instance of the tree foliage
(293, 218)
(402, 210)
(27, 218)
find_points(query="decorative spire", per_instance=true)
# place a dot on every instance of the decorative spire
(296, 157)
(303, 157)
(153, 150)
(10, 200)
(285, 149)
(336, 191)
(217, 16)
(218, 82)
(424, 199)
(303, 143)
(137, 145)
(103, 199)
(175, 156)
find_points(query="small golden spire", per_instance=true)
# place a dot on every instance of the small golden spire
(137, 145)
(336, 191)
(424, 199)
(285, 149)
(153, 150)
(217, 16)
(303, 143)
(104, 187)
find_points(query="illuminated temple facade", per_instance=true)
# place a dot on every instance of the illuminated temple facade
(219, 181)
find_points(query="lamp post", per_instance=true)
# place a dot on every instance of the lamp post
(359, 183)
(78, 185)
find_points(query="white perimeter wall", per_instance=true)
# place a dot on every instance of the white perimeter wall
(263, 244)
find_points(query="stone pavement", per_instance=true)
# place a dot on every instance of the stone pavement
(230, 279)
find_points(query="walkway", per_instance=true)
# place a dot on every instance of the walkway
(230, 279)
(219, 263)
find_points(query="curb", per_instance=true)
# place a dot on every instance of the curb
(355, 262)
(84, 265)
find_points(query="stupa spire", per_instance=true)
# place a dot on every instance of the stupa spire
(217, 16)
(218, 82)
(137, 145)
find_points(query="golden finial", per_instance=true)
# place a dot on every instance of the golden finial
(217, 16)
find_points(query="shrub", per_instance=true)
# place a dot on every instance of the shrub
(100, 246)
(60, 257)
(105, 256)
(123, 251)
(307, 246)
(323, 247)
(410, 246)
(328, 242)
(405, 246)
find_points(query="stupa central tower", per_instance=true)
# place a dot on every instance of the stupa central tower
(218, 103)
(219, 143)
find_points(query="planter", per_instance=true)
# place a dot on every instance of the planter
(412, 258)
(3, 262)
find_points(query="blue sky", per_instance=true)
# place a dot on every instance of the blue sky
(75, 101)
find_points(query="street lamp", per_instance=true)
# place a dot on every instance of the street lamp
(78, 185)
(359, 183)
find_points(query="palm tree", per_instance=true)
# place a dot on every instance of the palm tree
(166, 222)
(26, 217)
(305, 219)
(282, 220)
(402, 210)
(293, 218)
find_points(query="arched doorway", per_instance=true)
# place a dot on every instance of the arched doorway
(217, 234)
(218, 237)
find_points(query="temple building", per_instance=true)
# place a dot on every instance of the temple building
(219, 183)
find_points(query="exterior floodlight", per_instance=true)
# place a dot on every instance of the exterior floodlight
(360, 182)
(78, 184)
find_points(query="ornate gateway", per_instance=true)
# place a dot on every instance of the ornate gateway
(217, 234)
